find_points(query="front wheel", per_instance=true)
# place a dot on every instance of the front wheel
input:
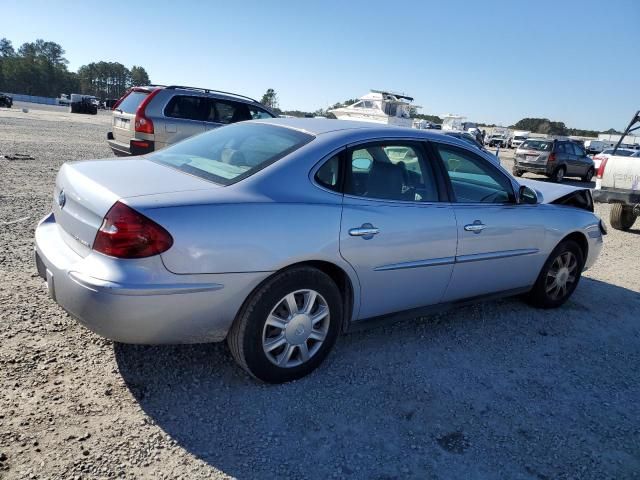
(288, 325)
(517, 172)
(621, 217)
(559, 276)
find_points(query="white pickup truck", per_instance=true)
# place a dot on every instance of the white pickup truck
(618, 182)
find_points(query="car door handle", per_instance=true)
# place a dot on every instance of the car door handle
(475, 227)
(366, 231)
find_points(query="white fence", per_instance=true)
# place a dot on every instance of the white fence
(17, 97)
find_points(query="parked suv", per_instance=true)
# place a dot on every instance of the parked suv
(150, 118)
(554, 158)
(6, 100)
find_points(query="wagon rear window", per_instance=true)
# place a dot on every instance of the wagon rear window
(132, 101)
(229, 154)
(538, 145)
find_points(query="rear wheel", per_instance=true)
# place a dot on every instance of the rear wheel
(517, 172)
(622, 216)
(589, 175)
(288, 326)
(559, 276)
(558, 175)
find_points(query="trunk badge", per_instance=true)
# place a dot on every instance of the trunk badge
(62, 199)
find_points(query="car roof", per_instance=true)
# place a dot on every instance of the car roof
(320, 126)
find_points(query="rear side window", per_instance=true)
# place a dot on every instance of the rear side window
(328, 175)
(132, 101)
(562, 148)
(540, 145)
(390, 171)
(187, 107)
(228, 155)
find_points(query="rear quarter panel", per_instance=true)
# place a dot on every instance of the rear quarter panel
(248, 237)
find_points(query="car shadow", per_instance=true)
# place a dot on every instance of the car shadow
(430, 397)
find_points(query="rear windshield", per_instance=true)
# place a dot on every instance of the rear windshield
(229, 154)
(540, 145)
(131, 102)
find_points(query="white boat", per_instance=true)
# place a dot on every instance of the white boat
(453, 122)
(379, 107)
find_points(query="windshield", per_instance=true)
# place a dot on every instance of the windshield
(229, 154)
(519, 137)
(619, 153)
(637, 154)
(540, 145)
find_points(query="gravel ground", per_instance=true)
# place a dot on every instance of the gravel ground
(497, 390)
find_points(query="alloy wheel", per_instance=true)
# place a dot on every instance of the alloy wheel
(296, 328)
(562, 275)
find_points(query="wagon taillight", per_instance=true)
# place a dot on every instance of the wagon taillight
(126, 233)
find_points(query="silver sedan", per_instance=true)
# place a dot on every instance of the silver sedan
(280, 235)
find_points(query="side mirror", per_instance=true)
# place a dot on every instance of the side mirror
(527, 195)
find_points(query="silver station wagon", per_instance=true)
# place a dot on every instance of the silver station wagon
(278, 235)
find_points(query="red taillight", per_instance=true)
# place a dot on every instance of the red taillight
(603, 164)
(552, 158)
(143, 124)
(125, 233)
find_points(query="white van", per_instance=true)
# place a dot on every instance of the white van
(519, 136)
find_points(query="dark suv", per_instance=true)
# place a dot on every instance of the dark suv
(150, 118)
(554, 158)
(5, 100)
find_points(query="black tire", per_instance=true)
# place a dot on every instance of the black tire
(517, 172)
(558, 175)
(621, 217)
(589, 175)
(539, 296)
(245, 339)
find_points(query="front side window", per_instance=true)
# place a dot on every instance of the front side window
(257, 113)
(578, 150)
(473, 179)
(230, 112)
(230, 154)
(187, 107)
(390, 171)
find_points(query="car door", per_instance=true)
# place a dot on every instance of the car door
(565, 156)
(397, 235)
(184, 117)
(499, 241)
(583, 162)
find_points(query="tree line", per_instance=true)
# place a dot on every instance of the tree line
(39, 68)
(546, 126)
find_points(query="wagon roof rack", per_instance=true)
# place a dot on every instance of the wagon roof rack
(208, 90)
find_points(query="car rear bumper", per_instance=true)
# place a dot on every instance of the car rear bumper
(134, 147)
(531, 167)
(139, 301)
(605, 195)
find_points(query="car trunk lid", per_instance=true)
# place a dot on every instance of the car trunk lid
(85, 191)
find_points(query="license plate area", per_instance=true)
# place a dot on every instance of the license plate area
(121, 123)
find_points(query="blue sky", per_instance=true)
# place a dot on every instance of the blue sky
(493, 61)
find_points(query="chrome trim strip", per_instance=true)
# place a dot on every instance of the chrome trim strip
(476, 257)
(417, 264)
(104, 286)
